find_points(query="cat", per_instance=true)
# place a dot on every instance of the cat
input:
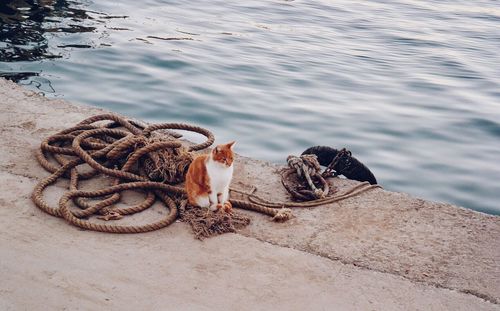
(208, 178)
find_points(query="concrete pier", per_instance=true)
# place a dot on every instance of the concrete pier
(380, 250)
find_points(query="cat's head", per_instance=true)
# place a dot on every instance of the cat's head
(224, 154)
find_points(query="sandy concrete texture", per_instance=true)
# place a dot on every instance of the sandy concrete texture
(377, 251)
(424, 241)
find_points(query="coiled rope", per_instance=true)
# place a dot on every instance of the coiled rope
(120, 149)
(306, 167)
(118, 153)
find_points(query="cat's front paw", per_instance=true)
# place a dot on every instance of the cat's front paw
(228, 207)
(215, 207)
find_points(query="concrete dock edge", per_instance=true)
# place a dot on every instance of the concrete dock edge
(380, 250)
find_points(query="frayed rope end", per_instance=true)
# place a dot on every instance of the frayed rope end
(283, 214)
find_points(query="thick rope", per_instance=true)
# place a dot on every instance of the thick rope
(306, 167)
(116, 153)
(354, 191)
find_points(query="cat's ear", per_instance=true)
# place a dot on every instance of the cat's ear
(216, 149)
(231, 144)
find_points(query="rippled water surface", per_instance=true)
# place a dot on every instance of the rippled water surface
(412, 88)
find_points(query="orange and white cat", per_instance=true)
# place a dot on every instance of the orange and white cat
(208, 178)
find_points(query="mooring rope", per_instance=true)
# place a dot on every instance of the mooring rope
(116, 153)
(306, 167)
(119, 150)
(351, 192)
(354, 191)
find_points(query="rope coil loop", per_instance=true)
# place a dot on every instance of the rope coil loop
(121, 154)
(125, 150)
(186, 127)
(306, 167)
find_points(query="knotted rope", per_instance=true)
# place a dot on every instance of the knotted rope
(354, 191)
(131, 155)
(136, 157)
(306, 167)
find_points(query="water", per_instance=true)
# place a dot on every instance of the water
(412, 88)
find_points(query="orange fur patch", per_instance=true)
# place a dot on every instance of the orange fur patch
(224, 154)
(197, 178)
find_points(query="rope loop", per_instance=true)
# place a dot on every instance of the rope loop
(124, 150)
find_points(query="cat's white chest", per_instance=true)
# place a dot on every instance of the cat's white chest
(219, 175)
